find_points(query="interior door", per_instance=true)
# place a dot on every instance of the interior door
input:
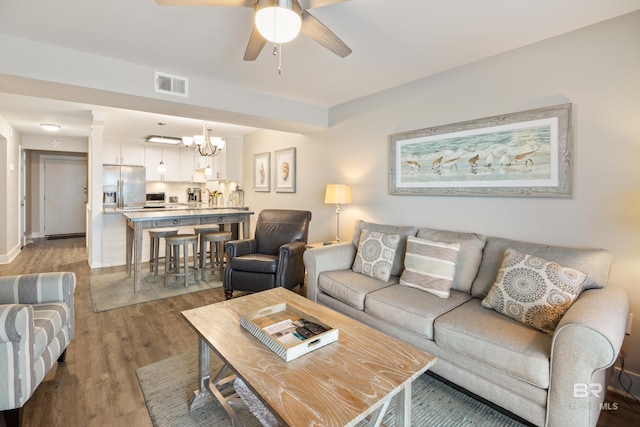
(65, 195)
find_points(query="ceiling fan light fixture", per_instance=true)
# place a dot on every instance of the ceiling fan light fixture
(277, 20)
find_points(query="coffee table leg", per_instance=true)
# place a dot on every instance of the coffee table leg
(403, 406)
(221, 388)
(203, 394)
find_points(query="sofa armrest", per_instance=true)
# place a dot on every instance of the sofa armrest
(585, 343)
(326, 258)
(16, 343)
(38, 288)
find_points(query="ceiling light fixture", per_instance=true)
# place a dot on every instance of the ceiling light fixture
(205, 145)
(277, 20)
(163, 139)
(50, 127)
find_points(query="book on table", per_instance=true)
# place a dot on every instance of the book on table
(288, 331)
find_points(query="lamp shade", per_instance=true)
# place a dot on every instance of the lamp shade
(277, 20)
(338, 194)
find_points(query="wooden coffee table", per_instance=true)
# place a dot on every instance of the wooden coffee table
(340, 384)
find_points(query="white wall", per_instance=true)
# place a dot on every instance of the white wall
(9, 207)
(597, 69)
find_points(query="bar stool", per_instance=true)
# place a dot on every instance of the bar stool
(172, 246)
(216, 241)
(154, 246)
(198, 230)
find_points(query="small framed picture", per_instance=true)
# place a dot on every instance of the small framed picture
(285, 173)
(261, 172)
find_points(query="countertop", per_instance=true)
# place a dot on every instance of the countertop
(172, 207)
(147, 214)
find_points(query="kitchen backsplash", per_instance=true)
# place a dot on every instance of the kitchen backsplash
(179, 190)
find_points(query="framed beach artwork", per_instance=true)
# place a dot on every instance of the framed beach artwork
(261, 172)
(285, 171)
(525, 154)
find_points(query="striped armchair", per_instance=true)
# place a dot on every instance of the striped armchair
(36, 325)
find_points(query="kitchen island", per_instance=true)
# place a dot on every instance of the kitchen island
(138, 221)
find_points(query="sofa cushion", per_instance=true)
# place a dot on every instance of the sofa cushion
(375, 255)
(594, 262)
(350, 287)
(471, 246)
(48, 319)
(533, 290)
(483, 335)
(411, 308)
(402, 231)
(430, 266)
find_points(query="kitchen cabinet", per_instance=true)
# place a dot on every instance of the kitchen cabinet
(228, 165)
(123, 154)
(153, 155)
(187, 165)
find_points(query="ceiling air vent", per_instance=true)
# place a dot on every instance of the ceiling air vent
(172, 85)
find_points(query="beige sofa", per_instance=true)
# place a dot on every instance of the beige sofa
(550, 379)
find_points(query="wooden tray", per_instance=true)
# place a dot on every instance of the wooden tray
(270, 327)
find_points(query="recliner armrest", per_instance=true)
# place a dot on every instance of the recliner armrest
(243, 247)
(292, 248)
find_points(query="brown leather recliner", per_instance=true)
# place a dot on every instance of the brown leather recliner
(273, 258)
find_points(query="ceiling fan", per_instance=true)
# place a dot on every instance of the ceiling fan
(307, 23)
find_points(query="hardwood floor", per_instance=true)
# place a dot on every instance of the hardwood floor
(97, 385)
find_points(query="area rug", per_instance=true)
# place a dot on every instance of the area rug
(115, 290)
(168, 384)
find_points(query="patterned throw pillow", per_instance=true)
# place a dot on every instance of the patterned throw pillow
(430, 266)
(534, 291)
(375, 254)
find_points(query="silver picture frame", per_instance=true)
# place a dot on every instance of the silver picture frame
(285, 170)
(524, 154)
(262, 172)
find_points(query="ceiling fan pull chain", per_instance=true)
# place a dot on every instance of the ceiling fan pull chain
(280, 59)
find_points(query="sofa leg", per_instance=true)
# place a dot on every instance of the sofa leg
(63, 356)
(12, 417)
(228, 294)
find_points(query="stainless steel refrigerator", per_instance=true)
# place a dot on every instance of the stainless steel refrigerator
(129, 182)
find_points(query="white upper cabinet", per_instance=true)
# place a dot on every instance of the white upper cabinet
(153, 155)
(187, 165)
(123, 154)
(230, 162)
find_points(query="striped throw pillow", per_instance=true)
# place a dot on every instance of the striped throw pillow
(430, 266)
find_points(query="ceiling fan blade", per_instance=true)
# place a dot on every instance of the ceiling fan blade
(230, 3)
(315, 29)
(255, 45)
(311, 4)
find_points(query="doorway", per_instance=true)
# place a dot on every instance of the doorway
(65, 195)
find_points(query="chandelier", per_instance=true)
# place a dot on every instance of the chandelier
(205, 145)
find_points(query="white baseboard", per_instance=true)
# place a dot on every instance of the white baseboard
(631, 380)
(8, 257)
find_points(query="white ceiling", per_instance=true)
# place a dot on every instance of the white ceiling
(393, 42)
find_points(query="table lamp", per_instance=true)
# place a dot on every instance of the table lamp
(338, 194)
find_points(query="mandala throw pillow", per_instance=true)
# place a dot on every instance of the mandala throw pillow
(534, 291)
(430, 266)
(375, 255)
